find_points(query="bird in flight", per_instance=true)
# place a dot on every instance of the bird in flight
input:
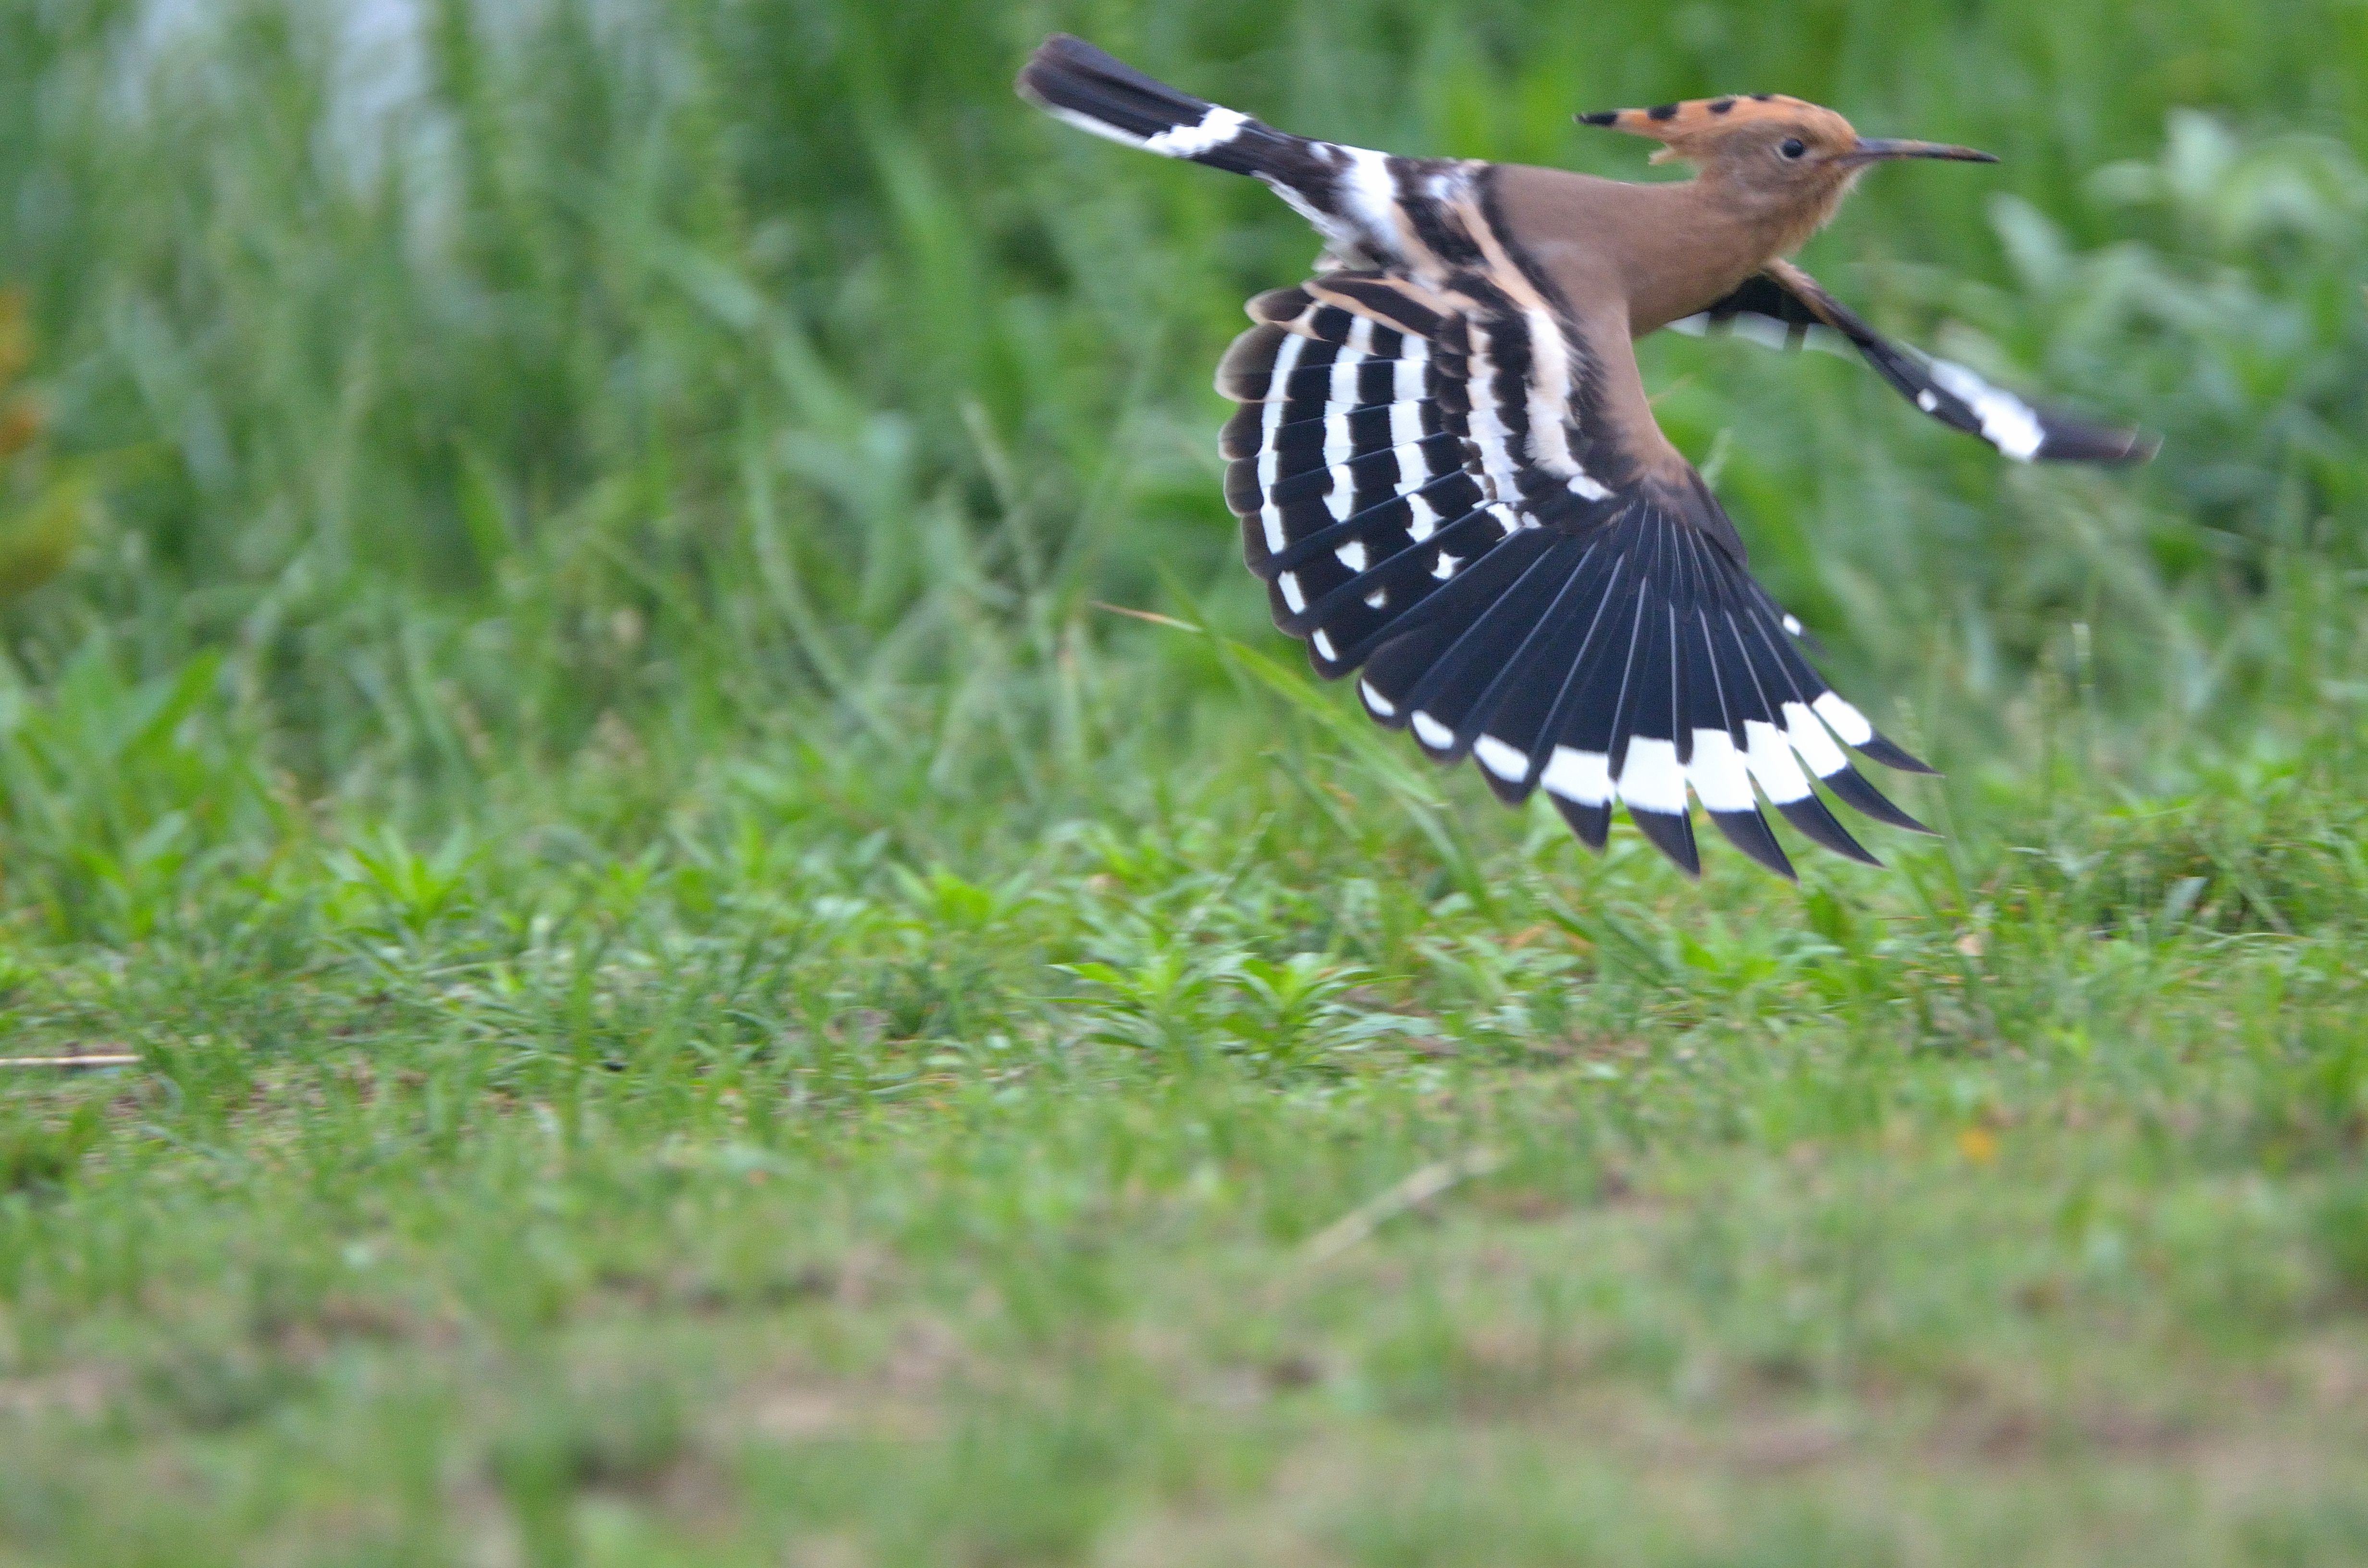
(1451, 480)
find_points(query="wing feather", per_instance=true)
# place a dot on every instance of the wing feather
(1432, 499)
(1784, 307)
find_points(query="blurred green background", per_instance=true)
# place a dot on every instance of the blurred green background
(460, 375)
(700, 997)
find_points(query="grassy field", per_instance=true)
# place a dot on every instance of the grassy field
(700, 1000)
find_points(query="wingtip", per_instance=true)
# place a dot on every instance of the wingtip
(2136, 447)
(1671, 833)
(1511, 791)
(1880, 748)
(1749, 832)
(1850, 786)
(1809, 816)
(2114, 447)
(1593, 825)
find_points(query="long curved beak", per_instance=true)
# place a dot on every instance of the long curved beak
(1868, 150)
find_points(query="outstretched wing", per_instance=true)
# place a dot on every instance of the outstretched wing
(1441, 482)
(1784, 307)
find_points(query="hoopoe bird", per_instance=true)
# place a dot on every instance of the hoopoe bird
(1450, 478)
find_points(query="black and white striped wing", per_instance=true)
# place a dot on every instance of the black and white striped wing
(1358, 490)
(1785, 308)
(1508, 585)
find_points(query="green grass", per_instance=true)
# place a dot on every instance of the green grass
(700, 1002)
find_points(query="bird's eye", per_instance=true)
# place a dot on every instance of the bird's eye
(1793, 147)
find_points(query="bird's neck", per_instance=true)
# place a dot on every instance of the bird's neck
(1711, 233)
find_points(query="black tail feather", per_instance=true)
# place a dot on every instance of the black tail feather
(1069, 75)
(1097, 92)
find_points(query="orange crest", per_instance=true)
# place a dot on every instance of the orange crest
(1689, 129)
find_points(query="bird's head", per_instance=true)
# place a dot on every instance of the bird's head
(1777, 150)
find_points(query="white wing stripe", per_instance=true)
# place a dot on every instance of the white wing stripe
(1717, 774)
(1339, 441)
(1581, 776)
(1650, 779)
(1343, 392)
(1425, 521)
(1269, 515)
(1374, 196)
(1549, 393)
(1487, 422)
(1809, 738)
(1508, 762)
(1846, 721)
(1405, 423)
(2007, 423)
(1772, 763)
